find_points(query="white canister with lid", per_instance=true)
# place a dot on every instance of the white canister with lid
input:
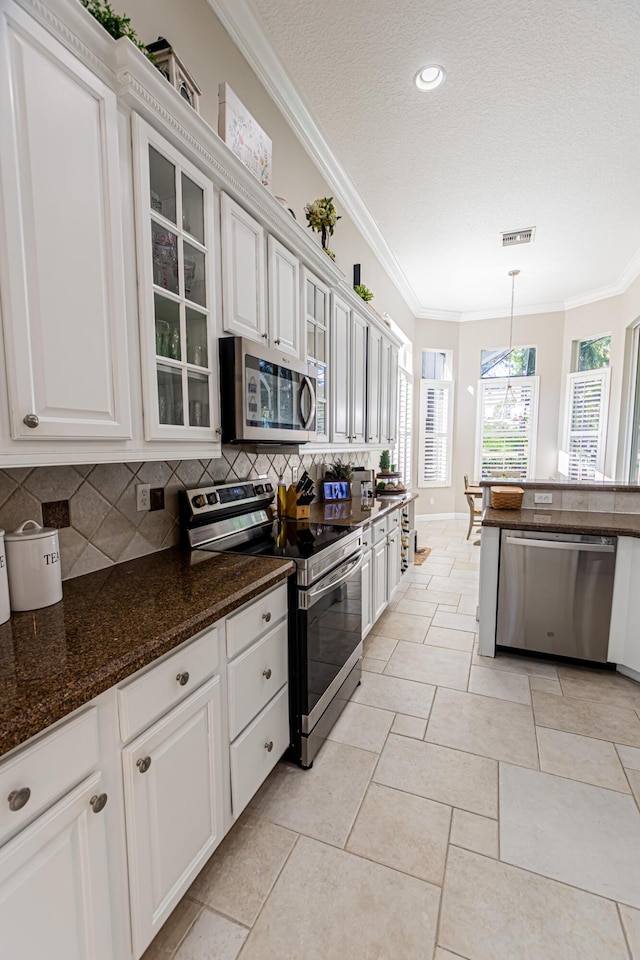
(33, 563)
(5, 606)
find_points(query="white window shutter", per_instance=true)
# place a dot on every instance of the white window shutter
(586, 428)
(436, 428)
(507, 426)
(402, 452)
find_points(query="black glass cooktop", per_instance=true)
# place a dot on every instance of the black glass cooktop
(292, 539)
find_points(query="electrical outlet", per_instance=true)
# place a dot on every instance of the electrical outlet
(294, 474)
(543, 498)
(143, 496)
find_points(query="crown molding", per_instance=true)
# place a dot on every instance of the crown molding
(630, 273)
(243, 24)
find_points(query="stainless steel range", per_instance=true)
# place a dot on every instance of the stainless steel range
(325, 619)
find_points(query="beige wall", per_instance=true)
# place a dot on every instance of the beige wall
(203, 44)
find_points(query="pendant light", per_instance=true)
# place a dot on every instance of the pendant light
(510, 403)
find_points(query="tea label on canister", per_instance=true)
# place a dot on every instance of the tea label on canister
(33, 563)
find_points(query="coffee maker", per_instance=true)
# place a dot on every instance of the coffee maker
(362, 484)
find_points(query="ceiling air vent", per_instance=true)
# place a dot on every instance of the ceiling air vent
(512, 237)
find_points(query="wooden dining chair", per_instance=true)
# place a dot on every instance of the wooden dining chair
(474, 513)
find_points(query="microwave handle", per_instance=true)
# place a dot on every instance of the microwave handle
(306, 381)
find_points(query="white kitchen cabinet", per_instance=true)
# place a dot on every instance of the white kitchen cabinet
(393, 563)
(379, 579)
(254, 754)
(61, 247)
(285, 326)
(54, 890)
(244, 310)
(340, 372)
(358, 378)
(388, 393)
(174, 807)
(316, 305)
(367, 592)
(374, 399)
(175, 220)
(348, 374)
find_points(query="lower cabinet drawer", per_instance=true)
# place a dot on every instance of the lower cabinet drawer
(255, 676)
(393, 521)
(378, 530)
(164, 684)
(42, 772)
(256, 751)
(255, 619)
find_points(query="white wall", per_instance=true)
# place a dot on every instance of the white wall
(208, 52)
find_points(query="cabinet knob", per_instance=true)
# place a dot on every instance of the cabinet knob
(143, 764)
(219, 431)
(278, 342)
(183, 678)
(19, 799)
(266, 616)
(269, 746)
(31, 420)
(267, 673)
(264, 336)
(98, 802)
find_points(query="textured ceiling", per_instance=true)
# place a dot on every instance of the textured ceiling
(538, 123)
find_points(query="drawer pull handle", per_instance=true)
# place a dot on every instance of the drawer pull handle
(143, 764)
(183, 678)
(19, 799)
(266, 616)
(267, 673)
(98, 802)
(269, 746)
(31, 421)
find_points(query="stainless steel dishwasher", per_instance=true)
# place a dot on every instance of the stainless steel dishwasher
(555, 592)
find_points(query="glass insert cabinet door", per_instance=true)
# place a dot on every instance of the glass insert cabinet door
(316, 306)
(175, 232)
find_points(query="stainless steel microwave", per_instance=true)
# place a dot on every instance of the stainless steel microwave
(267, 397)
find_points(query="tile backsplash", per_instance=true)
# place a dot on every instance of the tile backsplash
(105, 527)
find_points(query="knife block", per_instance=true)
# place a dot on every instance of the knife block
(293, 510)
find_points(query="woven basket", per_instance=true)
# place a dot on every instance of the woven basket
(506, 498)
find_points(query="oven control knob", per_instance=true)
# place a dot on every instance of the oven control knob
(268, 487)
(212, 498)
(259, 488)
(199, 501)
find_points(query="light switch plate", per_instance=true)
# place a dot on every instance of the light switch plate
(294, 474)
(543, 498)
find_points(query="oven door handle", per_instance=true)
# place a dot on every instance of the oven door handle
(308, 383)
(327, 586)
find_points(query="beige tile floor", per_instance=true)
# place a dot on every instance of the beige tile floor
(464, 807)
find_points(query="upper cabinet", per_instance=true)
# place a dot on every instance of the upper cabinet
(348, 374)
(285, 329)
(61, 261)
(374, 398)
(175, 230)
(245, 284)
(243, 277)
(316, 303)
(388, 392)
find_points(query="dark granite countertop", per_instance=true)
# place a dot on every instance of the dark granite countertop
(110, 624)
(350, 513)
(565, 521)
(610, 486)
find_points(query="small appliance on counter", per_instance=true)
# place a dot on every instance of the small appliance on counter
(362, 483)
(33, 565)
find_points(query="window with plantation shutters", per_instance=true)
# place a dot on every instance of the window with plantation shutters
(436, 428)
(586, 429)
(507, 427)
(402, 452)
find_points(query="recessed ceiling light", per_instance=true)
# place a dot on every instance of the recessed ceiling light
(429, 77)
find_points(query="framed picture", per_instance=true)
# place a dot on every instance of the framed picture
(243, 135)
(335, 490)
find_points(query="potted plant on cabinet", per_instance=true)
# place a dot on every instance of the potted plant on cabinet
(322, 217)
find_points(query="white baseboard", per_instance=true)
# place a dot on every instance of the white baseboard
(628, 672)
(442, 516)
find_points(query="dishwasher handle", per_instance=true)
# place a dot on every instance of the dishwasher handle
(562, 545)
